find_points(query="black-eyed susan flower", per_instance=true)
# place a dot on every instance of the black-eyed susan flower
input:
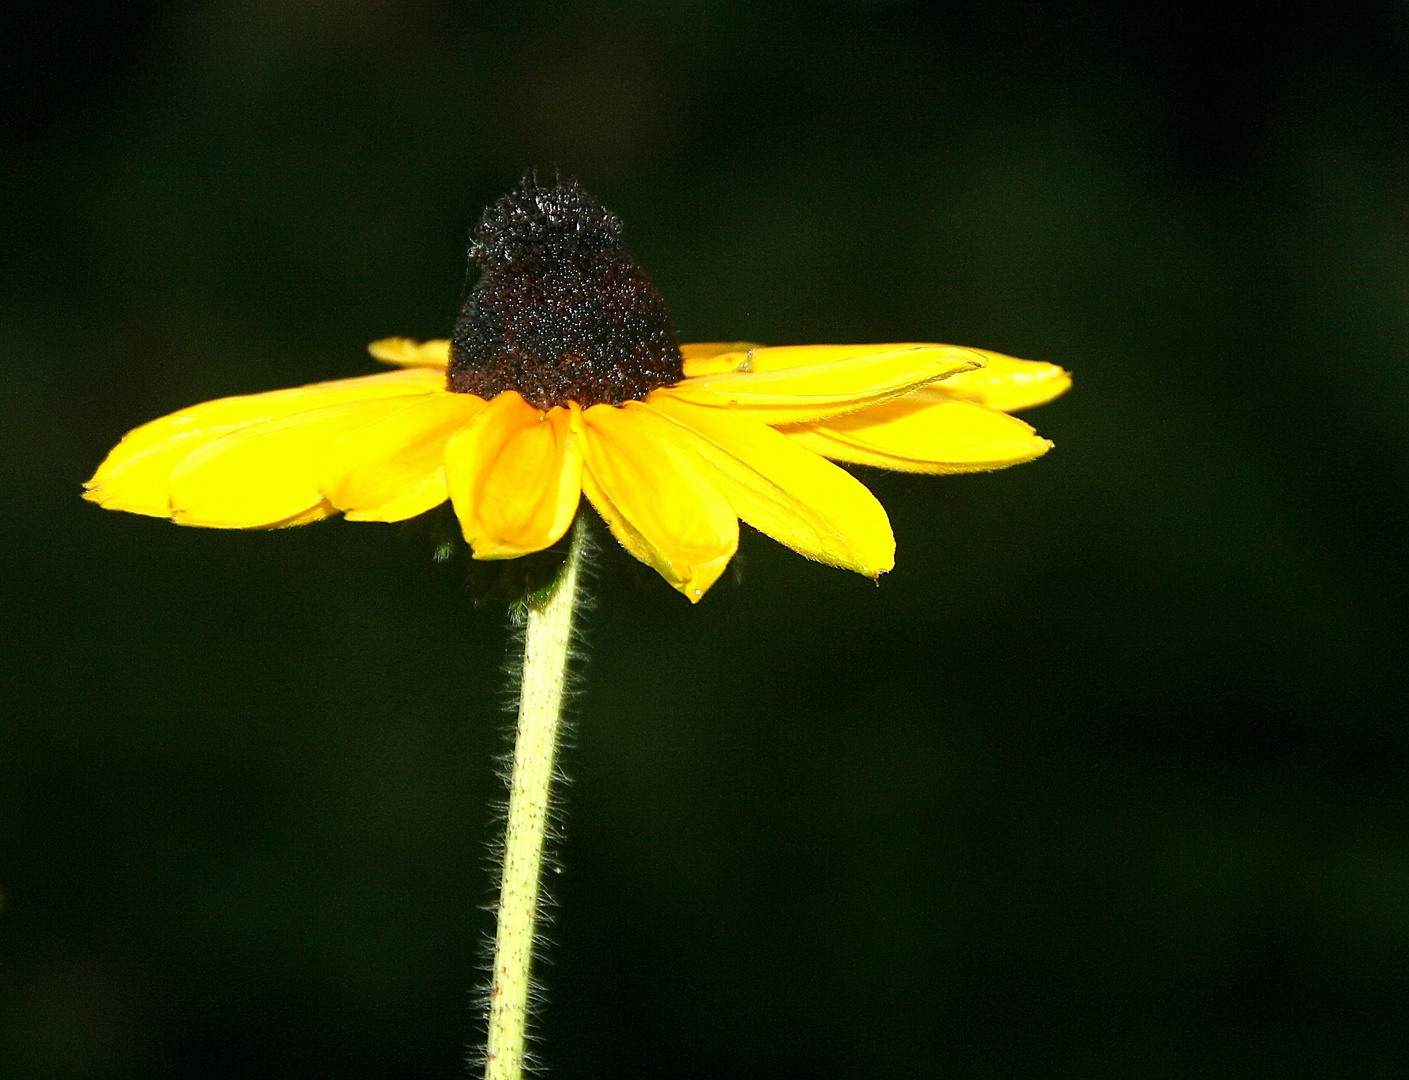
(562, 378)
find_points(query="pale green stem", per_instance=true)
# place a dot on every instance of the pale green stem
(547, 640)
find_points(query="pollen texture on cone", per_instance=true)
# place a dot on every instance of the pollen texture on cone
(561, 313)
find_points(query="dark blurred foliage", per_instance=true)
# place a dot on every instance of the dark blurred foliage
(1107, 778)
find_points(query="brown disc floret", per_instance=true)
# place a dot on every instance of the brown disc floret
(561, 312)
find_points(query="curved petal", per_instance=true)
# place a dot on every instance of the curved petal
(139, 483)
(409, 353)
(266, 475)
(1004, 383)
(133, 475)
(911, 434)
(394, 469)
(515, 476)
(655, 497)
(788, 492)
(792, 384)
(708, 357)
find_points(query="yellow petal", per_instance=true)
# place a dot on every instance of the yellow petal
(515, 476)
(1004, 382)
(656, 497)
(795, 383)
(139, 483)
(265, 475)
(394, 469)
(915, 435)
(177, 434)
(787, 491)
(707, 357)
(409, 353)
(719, 356)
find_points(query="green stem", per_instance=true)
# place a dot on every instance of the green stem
(547, 639)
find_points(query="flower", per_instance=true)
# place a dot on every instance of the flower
(563, 379)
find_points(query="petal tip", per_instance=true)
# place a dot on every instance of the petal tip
(407, 352)
(699, 579)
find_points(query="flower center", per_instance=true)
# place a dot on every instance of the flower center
(561, 313)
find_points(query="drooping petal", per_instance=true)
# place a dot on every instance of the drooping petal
(786, 491)
(656, 497)
(134, 474)
(1004, 383)
(708, 357)
(409, 353)
(515, 476)
(913, 434)
(793, 384)
(267, 474)
(394, 469)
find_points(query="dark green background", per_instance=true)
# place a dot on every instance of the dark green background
(1106, 779)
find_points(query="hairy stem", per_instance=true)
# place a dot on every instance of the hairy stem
(547, 639)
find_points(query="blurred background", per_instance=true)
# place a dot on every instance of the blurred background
(1106, 779)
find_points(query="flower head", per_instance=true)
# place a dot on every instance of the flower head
(563, 377)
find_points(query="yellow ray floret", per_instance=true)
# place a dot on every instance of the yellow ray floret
(746, 434)
(394, 468)
(781, 489)
(800, 383)
(515, 476)
(409, 353)
(267, 473)
(134, 476)
(1005, 383)
(656, 497)
(918, 434)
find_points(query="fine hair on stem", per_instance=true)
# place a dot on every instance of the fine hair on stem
(545, 655)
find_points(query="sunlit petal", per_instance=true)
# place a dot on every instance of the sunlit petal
(394, 469)
(786, 491)
(267, 474)
(515, 476)
(911, 434)
(708, 357)
(152, 449)
(799, 383)
(1004, 383)
(409, 353)
(656, 497)
(140, 482)
(720, 356)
